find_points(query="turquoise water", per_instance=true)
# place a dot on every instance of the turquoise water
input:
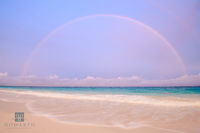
(115, 90)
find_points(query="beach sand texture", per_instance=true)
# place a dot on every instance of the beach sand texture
(84, 115)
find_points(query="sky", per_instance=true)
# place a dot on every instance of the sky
(100, 43)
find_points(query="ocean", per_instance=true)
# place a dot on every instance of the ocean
(167, 108)
(158, 91)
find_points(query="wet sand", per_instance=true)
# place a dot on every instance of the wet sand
(44, 124)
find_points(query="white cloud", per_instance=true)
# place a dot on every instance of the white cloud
(3, 74)
(53, 76)
(54, 80)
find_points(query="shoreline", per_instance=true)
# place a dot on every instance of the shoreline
(99, 113)
(43, 124)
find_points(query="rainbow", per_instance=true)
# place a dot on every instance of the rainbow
(153, 31)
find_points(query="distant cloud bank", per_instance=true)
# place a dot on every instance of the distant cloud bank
(54, 80)
(3, 74)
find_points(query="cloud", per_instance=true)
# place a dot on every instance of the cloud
(53, 76)
(28, 76)
(54, 80)
(4, 74)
